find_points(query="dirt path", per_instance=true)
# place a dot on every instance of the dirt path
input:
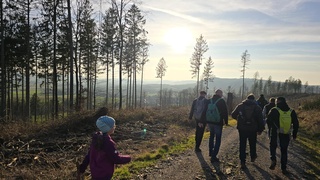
(191, 165)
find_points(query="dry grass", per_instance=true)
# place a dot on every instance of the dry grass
(310, 121)
(51, 150)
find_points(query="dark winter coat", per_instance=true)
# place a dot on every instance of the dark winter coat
(257, 124)
(223, 110)
(262, 102)
(267, 108)
(274, 115)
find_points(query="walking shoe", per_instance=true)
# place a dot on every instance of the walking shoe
(253, 158)
(273, 165)
(243, 166)
(197, 150)
(214, 159)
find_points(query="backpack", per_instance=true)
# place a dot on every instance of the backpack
(246, 117)
(199, 107)
(284, 121)
(213, 114)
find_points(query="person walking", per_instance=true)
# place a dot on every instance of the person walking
(249, 123)
(262, 101)
(102, 155)
(196, 111)
(216, 126)
(281, 118)
(266, 110)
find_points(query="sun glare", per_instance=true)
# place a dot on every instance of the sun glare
(178, 38)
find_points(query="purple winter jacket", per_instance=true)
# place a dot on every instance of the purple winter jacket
(102, 162)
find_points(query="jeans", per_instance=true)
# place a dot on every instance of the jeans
(252, 137)
(199, 134)
(284, 140)
(215, 132)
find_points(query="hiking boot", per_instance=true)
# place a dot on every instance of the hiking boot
(243, 166)
(285, 172)
(253, 158)
(273, 165)
(214, 159)
(197, 150)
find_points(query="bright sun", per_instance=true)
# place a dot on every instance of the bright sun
(178, 38)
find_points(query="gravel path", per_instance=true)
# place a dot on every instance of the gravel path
(191, 165)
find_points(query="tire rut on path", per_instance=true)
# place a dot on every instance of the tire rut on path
(191, 165)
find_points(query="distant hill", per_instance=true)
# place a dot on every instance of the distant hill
(154, 86)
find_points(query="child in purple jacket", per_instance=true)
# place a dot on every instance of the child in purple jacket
(102, 155)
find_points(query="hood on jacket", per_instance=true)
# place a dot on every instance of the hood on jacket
(215, 97)
(249, 102)
(283, 106)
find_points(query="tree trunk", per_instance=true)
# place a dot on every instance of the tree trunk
(70, 55)
(198, 74)
(55, 74)
(141, 86)
(3, 111)
(107, 81)
(22, 96)
(113, 74)
(161, 93)
(27, 114)
(36, 102)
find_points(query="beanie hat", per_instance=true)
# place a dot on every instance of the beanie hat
(105, 123)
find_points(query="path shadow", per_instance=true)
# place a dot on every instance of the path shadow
(206, 167)
(248, 174)
(263, 146)
(265, 174)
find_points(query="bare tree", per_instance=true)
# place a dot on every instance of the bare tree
(120, 8)
(245, 59)
(144, 60)
(3, 67)
(306, 87)
(70, 41)
(161, 71)
(200, 48)
(208, 73)
(255, 85)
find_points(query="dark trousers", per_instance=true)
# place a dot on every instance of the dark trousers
(199, 134)
(214, 145)
(252, 137)
(284, 140)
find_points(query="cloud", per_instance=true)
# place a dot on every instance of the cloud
(175, 14)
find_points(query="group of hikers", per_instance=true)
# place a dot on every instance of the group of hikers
(252, 116)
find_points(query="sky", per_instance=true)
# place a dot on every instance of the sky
(281, 36)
